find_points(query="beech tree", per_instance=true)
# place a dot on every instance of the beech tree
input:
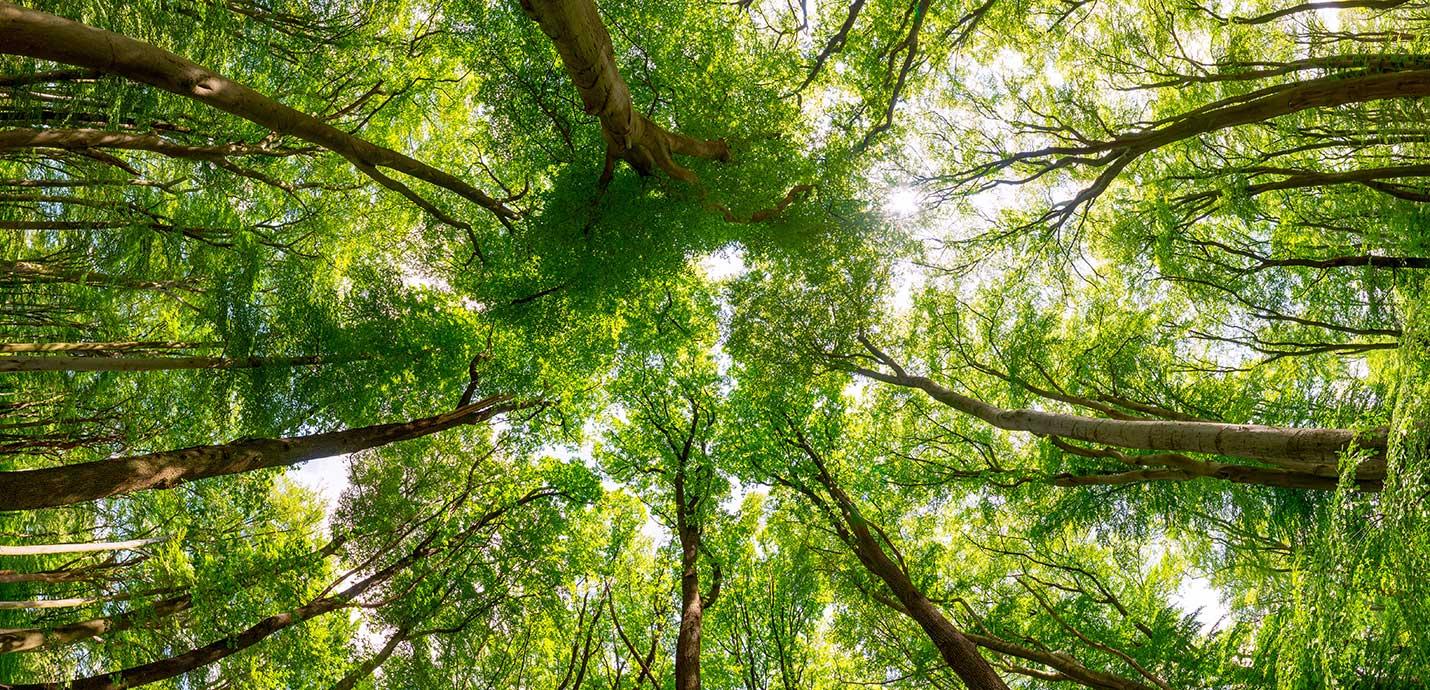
(607, 345)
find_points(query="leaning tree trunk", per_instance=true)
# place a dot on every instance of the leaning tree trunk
(171, 667)
(957, 650)
(86, 139)
(32, 272)
(1301, 449)
(64, 485)
(44, 36)
(585, 48)
(87, 547)
(39, 639)
(19, 363)
(119, 346)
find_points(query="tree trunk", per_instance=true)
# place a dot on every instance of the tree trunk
(44, 36)
(957, 650)
(170, 667)
(1369, 476)
(18, 363)
(102, 347)
(1295, 448)
(692, 610)
(70, 602)
(84, 139)
(575, 27)
(35, 272)
(1063, 663)
(89, 547)
(58, 486)
(366, 668)
(173, 666)
(32, 639)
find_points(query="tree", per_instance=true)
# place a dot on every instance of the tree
(622, 345)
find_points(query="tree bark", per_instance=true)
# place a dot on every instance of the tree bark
(33, 639)
(692, 610)
(957, 650)
(22, 363)
(367, 667)
(83, 139)
(122, 346)
(36, 272)
(68, 484)
(1291, 447)
(45, 36)
(89, 547)
(575, 27)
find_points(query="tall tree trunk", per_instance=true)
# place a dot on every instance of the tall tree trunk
(85, 139)
(18, 363)
(692, 610)
(575, 27)
(38, 272)
(122, 346)
(58, 486)
(1307, 450)
(88, 547)
(957, 650)
(844, 516)
(33, 639)
(44, 36)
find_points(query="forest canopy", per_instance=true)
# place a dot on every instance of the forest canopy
(549, 344)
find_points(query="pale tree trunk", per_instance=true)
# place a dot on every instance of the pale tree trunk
(64, 485)
(70, 602)
(87, 547)
(575, 27)
(44, 36)
(38, 639)
(122, 346)
(1307, 450)
(30, 272)
(22, 363)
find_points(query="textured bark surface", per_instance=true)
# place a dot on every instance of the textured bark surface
(692, 609)
(19, 363)
(101, 347)
(82, 139)
(64, 485)
(1301, 449)
(32, 639)
(87, 547)
(575, 27)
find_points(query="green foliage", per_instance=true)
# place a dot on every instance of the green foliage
(745, 363)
